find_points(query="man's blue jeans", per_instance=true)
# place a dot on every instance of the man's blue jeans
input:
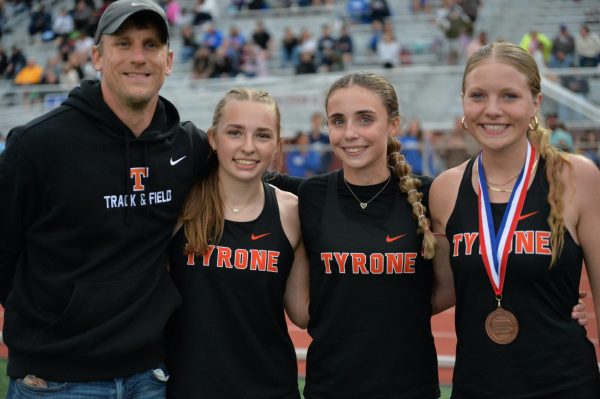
(149, 384)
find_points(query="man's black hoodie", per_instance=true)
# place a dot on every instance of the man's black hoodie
(87, 210)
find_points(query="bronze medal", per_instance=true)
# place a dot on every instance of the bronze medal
(502, 326)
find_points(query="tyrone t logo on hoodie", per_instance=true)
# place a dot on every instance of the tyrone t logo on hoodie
(139, 196)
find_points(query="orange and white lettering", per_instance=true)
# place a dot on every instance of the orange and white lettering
(191, 260)
(409, 262)
(326, 258)
(137, 174)
(376, 263)
(542, 243)
(206, 256)
(272, 257)
(224, 257)
(340, 259)
(258, 259)
(524, 242)
(240, 259)
(456, 243)
(395, 263)
(359, 262)
(469, 241)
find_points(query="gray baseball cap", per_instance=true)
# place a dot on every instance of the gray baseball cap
(118, 12)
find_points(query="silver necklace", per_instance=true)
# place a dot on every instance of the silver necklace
(363, 205)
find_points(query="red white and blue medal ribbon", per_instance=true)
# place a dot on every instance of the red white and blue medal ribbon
(501, 325)
(495, 246)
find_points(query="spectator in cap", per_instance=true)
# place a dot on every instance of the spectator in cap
(563, 49)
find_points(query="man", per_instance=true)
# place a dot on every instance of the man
(89, 196)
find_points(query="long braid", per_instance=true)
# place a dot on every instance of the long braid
(410, 185)
(555, 160)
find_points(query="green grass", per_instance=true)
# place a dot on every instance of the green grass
(4, 383)
(3, 378)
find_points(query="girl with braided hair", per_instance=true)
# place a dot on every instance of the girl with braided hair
(370, 248)
(520, 219)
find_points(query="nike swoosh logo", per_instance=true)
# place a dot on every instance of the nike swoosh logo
(175, 162)
(255, 237)
(395, 238)
(522, 217)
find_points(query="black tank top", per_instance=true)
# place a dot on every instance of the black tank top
(551, 352)
(230, 338)
(370, 302)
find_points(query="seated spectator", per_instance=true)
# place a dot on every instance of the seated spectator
(306, 64)
(376, 34)
(538, 45)
(235, 42)
(289, 48)
(63, 23)
(203, 64)
(452, 20)
(471, 8)
(30, 74)
(16, 62)
(379, 10)
(173, 11)
(188, 43)
(589, 147)
(2, 142)
(326, 49)
(40, 21)
(224, 66)
(411, 141)
(262, 37)
(319, 141)
(253, 61)
(3, 61)
(587, 47)
(83, 17)
(477, 43)
(560, 137)
(388, 50)
(204, 10)
(563, 49)
(358, 11)
(49, 77)
(302, 160)
(344, 45)
(212, 37)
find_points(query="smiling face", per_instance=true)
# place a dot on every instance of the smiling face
(498, 104)
(359, 125)
(246, 139)
(134, 63)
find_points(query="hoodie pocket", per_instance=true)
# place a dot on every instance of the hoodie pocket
(98, 305)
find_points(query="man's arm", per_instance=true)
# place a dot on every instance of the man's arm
(18, 193)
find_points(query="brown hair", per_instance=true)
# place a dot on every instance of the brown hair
(408, 183)
(518, 58)
(203, 214)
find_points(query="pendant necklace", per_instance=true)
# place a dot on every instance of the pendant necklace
(504, 190)
(363, 205)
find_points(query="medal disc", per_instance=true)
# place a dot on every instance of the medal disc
(502, 326)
